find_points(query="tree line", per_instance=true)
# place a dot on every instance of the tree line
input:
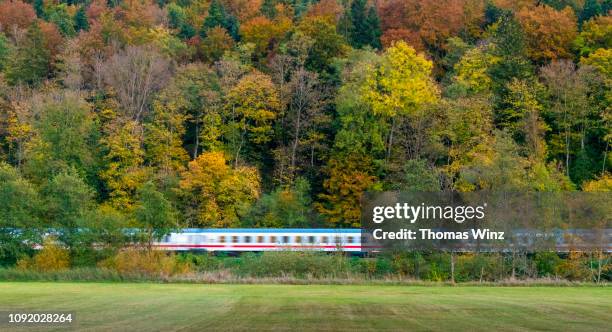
(281, 113)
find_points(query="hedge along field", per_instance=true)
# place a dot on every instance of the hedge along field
(53, 264)
(171, 307)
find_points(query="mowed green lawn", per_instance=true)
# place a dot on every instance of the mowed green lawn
(193, 307)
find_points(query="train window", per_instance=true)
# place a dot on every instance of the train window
(298, 239)
(338, 240)
(311, 239)
(234, 239)
(350, 239)
(324, 239)
(285, 239)
(273, 239)
(221, 239)
(247, 239)
(260, 239)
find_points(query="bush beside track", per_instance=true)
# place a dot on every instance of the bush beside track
(52, 264)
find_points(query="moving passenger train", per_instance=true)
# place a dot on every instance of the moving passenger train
(352, 240)
(346, 240)
(262, 239)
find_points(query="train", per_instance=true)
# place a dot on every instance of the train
(262, 239)
(349, 240)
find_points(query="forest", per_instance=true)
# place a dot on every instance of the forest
(164, 114)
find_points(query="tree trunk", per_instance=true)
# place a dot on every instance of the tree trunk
(197, 141)
(452, 267)
(149, 239)
(296, 139)
(312, 149)
(605, 159)
(390, 140)
(239, 148)
(599, 263)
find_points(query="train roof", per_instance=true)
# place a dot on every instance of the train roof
(270, 230)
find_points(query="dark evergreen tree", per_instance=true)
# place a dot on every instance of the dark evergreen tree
(268, 8)
(80, 20)
(177, 19)
(358, 34)
(300, 7)
(364, 25)
(218, 17)
(606, 6)
(176, 16)
(39, 8)
(494, 13)
(584, 168)
(61, 18)
(591, 9)
(374, 32)
(232, 26)
(510, 46)
(509, 40)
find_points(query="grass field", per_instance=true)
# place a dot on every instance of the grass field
(190, 307)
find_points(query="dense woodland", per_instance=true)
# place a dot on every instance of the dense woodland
(281, 113)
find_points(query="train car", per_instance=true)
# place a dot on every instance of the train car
(346, 240)
(268, 239)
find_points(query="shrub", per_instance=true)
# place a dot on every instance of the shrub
(89, 257)
(438, 268)
(146, 262)
(202, 262)
(51, 257)
(574, 267)
(547, 263)
(403, 264)
(290, 263)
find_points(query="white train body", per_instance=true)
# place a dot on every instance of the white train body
(262, 239)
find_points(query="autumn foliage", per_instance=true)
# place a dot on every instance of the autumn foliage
(549, 32)
(15, 15)
(217, 194)
(157, 115)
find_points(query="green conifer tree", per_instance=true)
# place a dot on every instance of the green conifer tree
(218, 17)
(364, 25)
(80, 20)
(591, 9)
(374, 30)
(268, 8)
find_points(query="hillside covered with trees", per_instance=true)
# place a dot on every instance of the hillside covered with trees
(281, 113)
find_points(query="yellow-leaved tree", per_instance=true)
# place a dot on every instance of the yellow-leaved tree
(253, 105)
(215, 194)
(472, 70)
(399, 86)
(123, 158)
